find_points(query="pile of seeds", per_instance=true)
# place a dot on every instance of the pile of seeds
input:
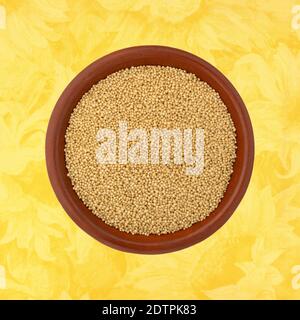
(147, 198)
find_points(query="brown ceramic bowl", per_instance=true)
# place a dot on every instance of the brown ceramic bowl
(55, 142)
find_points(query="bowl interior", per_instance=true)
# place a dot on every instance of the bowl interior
(55, 142)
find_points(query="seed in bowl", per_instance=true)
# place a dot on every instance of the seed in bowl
(150, 149)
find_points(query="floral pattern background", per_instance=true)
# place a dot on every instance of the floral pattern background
(44, 255)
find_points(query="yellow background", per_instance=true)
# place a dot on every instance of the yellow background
(43, 254)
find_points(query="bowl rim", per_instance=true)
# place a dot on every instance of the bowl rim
(134, 244)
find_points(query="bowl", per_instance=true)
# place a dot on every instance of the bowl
(55, 142)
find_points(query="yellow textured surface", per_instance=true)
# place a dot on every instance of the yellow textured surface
(44, 44)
